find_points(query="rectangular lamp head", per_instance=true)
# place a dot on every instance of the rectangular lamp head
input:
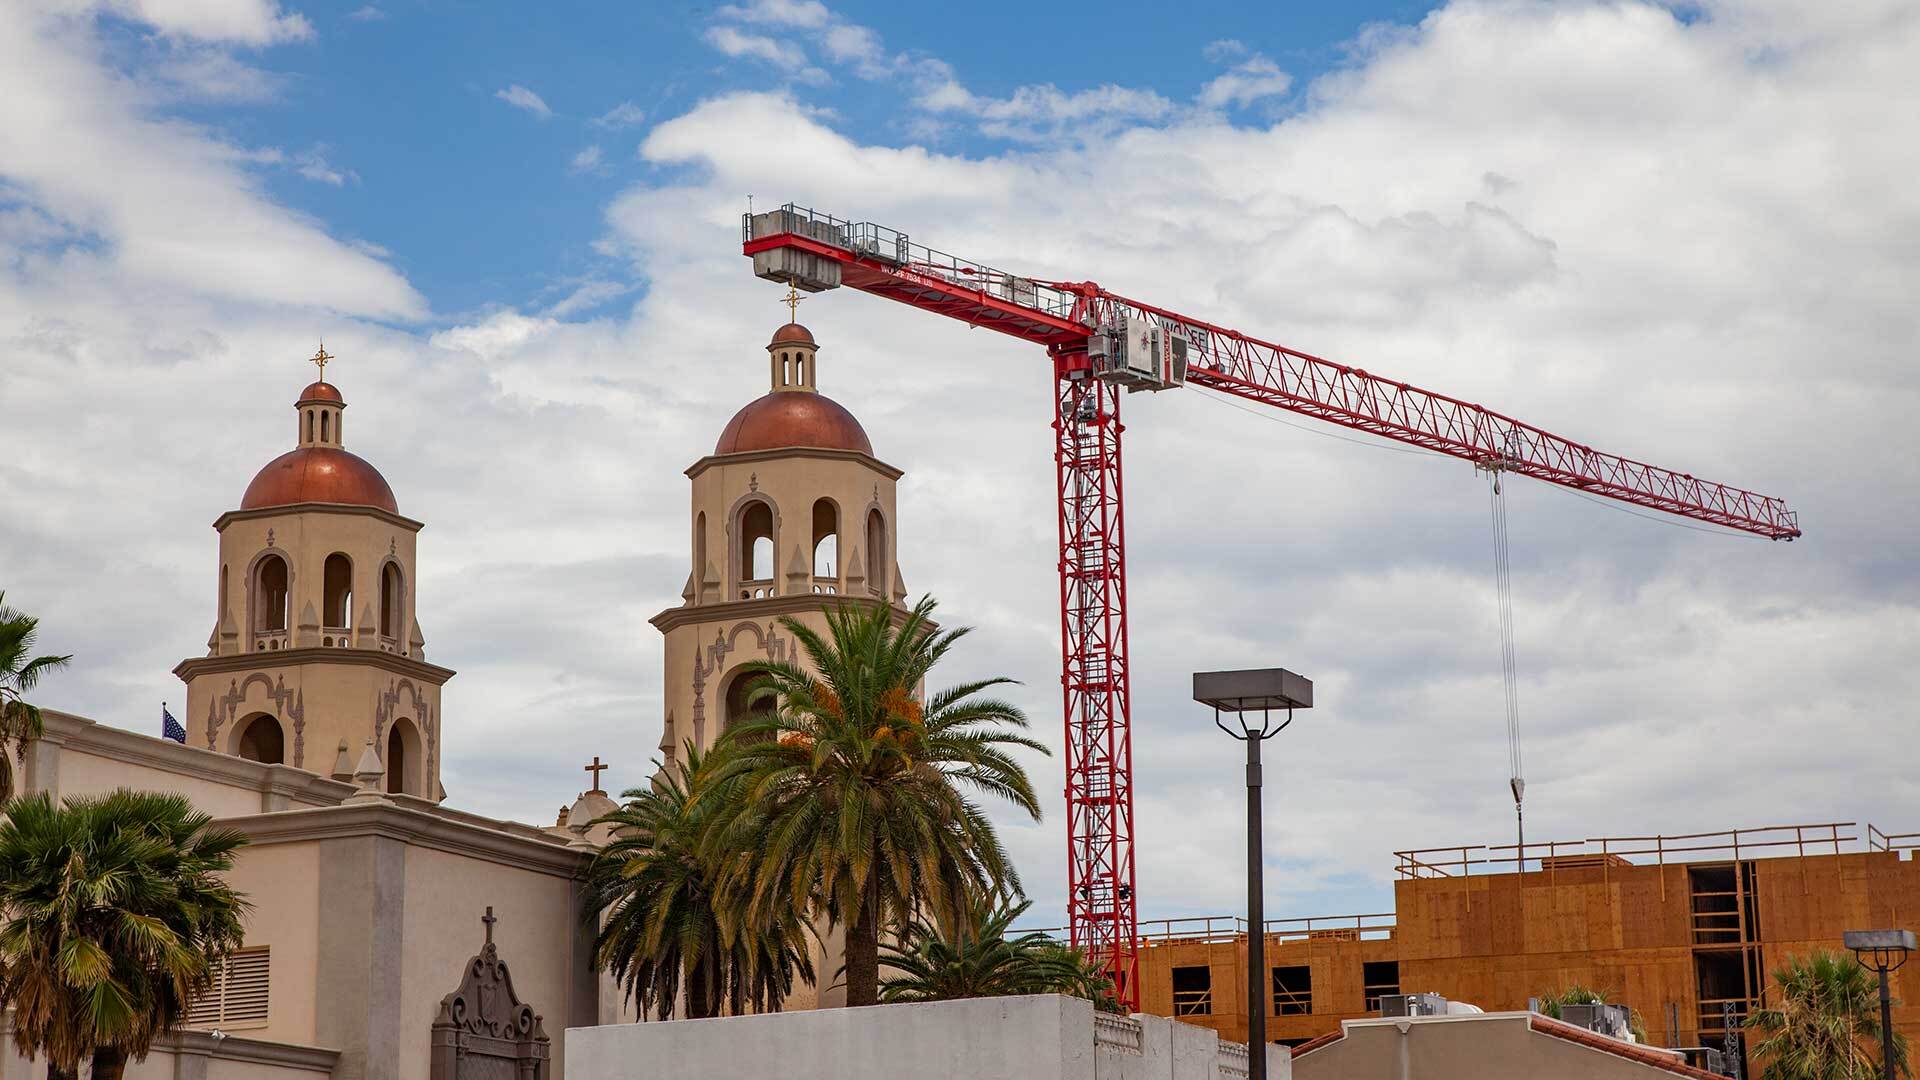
(1869, 940)
(1251, 691)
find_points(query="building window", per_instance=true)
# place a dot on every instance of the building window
(756, 542)
(1193, 991)
(270, 594)
(1377, 979)
(262, 740)
(399, 761)
(338, 592)
(238, 994)
(391, 593)
(1292, 991)
(877, 561)
(826, 539)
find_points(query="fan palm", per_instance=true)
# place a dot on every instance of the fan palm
(19, 721)
(979, 959)
(851, 798)
(1825, 1024)
(662, 920)
(114, 916)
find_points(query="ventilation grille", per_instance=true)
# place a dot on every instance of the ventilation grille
(238, 994)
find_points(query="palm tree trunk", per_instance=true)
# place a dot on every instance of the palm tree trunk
(109, 1064)
(863, 955)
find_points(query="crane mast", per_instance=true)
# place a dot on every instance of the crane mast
(1101, 344)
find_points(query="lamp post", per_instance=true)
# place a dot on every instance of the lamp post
(1884, 951)
(1244, 694)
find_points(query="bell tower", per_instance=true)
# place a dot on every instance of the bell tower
(316, 654)
(792, 514)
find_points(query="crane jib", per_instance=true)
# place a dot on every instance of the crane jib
(1101, 345)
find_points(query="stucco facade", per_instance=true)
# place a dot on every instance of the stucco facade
(316, 650)
(791, 516)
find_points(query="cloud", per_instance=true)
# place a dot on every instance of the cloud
(1248, 81)
(803, 13)
(157, 205)
(367, 13)
(1045, 113)
(624, 115)
(734, 43)
(1631, 228)
(587, 160)
(522, 98)
(245, 22)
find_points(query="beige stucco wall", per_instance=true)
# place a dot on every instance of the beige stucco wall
(1488, 1047)
(305, 535)
(539, 936)
(283, 883)
(86, 773)
(340, 699)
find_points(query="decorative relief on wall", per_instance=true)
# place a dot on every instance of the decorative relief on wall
(384, 713)
(222, 712)
(724, 643)
(484, 1030)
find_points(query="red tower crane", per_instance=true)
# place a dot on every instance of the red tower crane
(1102, 343)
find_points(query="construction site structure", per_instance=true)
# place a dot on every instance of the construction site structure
(1103, 345)
(1684, 930)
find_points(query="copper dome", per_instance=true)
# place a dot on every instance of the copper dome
(783, 420)
(319, 474)
(792, 334)
(320, 391)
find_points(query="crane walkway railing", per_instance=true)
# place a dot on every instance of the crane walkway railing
(1605, 852)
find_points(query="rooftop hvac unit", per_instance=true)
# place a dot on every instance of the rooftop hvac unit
(1613, 1021)
(1413, 1005)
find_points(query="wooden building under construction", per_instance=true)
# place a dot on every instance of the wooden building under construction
(1684, 929)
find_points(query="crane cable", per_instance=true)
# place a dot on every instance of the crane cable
(1503, 593)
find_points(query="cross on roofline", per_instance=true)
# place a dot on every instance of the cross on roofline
(792, 300)
(489, 920)
(321, 359)
(596, 769)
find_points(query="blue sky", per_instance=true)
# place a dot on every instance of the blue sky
(401, 97)
(1685, 235)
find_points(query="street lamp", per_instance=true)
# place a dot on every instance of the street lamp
(1245, 694)
(1884, 951)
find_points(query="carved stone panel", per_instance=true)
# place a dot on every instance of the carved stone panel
(484, 1031)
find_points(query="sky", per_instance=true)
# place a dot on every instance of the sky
(1686, 234)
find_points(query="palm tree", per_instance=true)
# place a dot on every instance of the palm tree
(114, 916)
(980, 959)
(851, 791)
(1826, 1023)
(663, 921)
(19, 721)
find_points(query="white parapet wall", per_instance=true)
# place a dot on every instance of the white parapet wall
(1045, 1037)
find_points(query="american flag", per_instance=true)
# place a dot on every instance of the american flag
(170, 728)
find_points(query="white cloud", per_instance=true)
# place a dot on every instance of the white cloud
(806, 13)
(624, 115)
(522, 98)
(246, 22)
(734, 43)
(1046, 113)
(313, 165)
(169, 206)
(367, 13)
(587, 160)
(1621, 225)
(1248, 81)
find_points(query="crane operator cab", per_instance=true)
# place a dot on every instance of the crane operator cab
(1141, 353)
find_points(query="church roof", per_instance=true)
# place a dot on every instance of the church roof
(780, 421)
(319, 474)
(792, 334)
(320, 391)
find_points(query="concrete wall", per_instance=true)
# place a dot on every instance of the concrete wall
(1017, 1038)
